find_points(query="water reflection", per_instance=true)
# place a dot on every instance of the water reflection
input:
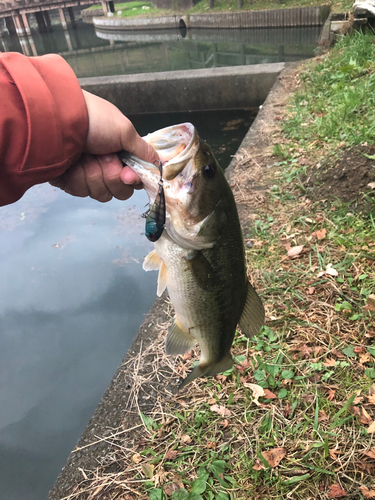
(71, 299)
(98, 53)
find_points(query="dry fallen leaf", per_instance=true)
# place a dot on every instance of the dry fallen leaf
(370, 453)
(171, 454)
(221, 410)
(365, 358)
(321, 234)
(329, 270)
(371, 302)
(331, 394)
(274, 456)
(371, 185)
(136, 458)
(186, 439)
(311, 290)
(364, 417)
(371, 399)
(224, 424)
(333, 454)
(212, 401)
(322, 416)
(269, 395)
(257, 391)
(335, 491)
(188, 355)
(170, 488)
(329, 362)
(243, 366)
(371, 429)
(148, 470)
(295, 251)
(365, 491)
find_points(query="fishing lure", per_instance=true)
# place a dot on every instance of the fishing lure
(155, 217)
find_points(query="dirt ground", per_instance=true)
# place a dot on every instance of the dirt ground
(347, 178)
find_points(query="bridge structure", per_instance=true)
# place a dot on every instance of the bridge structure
(15, 13)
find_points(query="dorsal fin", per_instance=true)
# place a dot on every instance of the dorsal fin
(152, 261)
(252, 318)
(178, 341)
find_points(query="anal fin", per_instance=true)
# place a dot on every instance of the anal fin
(252, 318)
(152, 261)
(178, 341)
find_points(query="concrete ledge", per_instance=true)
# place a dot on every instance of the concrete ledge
(200, 89)
(119, 23)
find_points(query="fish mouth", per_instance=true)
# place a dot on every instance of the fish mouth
(176, 146)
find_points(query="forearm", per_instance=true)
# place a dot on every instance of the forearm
(43, 122)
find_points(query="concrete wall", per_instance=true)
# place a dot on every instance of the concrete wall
(202, 89)
(299, 16)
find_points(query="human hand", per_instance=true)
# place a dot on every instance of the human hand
(99, 173)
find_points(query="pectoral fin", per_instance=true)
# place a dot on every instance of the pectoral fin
(201, 270)
(162, 278)
(252, 318)
(152, 261)
(178, 341)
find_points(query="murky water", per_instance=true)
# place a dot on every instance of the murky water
(102, 54)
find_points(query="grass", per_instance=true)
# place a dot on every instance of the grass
(314, 358)
(135, 9)
(340, 112)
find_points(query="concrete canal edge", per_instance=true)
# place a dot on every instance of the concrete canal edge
(233, 87)
(278, 18)
(94, 444)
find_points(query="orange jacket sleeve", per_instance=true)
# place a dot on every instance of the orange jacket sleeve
(43, 121)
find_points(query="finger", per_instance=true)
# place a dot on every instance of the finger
(112, 168)
(129, 177)
(131, 141)
(74, 181)
(94, 179)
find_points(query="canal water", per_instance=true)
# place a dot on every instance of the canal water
(92, 53)
(72, 289)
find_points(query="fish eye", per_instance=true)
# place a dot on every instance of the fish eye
(209, 171)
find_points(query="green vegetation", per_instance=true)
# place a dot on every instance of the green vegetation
(295, 417)
(203, 7)
(336, 106)
(131, 9)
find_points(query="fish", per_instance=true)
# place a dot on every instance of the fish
(200, 253)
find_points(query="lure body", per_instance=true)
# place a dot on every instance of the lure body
(155, 218)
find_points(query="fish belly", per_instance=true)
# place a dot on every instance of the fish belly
(210, 316)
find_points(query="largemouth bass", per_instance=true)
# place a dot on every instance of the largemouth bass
(199, 252)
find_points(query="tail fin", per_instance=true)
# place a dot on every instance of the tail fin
(205, 370)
